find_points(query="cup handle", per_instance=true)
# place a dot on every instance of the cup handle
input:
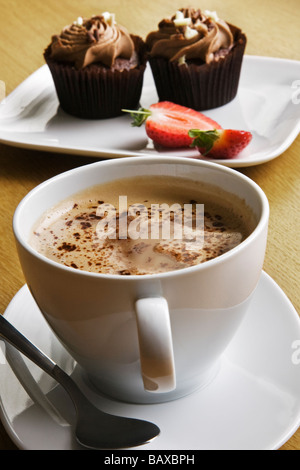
(156, 345)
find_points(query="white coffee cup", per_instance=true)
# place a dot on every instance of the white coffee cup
(150, 338)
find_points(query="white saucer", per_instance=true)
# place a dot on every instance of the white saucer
(30, 117)
(253, 403)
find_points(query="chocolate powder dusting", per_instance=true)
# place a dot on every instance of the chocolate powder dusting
(78, 223)
(67, 247)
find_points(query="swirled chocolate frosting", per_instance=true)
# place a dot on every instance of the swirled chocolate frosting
(98, 39)
(191, 34)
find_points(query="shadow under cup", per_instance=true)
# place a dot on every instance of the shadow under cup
(97, 316)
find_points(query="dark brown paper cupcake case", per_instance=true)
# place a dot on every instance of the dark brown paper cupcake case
(97, 92)
(200, 86)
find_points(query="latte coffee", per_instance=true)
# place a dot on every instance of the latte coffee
(142, 225)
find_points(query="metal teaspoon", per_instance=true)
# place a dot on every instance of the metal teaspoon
(94, 428)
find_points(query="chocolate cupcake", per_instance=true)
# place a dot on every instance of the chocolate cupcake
(196, 59)
(97, 67)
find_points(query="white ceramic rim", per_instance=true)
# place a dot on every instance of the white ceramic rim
(167, 160)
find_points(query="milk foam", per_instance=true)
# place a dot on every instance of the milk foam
(68, 235)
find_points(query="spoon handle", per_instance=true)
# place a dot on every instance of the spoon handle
(14, 337)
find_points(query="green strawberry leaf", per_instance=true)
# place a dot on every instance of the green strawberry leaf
(139, 116)
(204, 140)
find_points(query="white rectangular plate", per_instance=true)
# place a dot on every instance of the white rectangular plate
(267, 104)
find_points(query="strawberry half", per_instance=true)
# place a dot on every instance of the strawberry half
(168, 124)
(220, 143)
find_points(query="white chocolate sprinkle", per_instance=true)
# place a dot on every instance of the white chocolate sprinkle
(211, 14)
(179, 15)
(109, 18)
(183, 22)
(79, 21)
(181, 60)
(190, 33)
(180, 20)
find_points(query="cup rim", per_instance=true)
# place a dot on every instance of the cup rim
(144, 159)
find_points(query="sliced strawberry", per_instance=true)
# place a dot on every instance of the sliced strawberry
(168, 124)
(220, 143)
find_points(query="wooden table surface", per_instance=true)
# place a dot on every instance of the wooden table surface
(272, 28)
